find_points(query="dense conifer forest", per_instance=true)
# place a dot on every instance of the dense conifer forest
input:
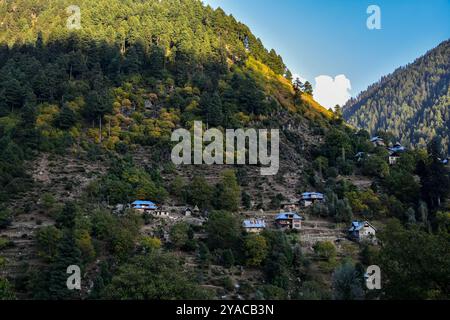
(413, 103)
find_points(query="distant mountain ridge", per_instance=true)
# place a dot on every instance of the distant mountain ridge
(413, 103)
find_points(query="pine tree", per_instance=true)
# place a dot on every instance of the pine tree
(156, 61)
(308, 88)
(66, 118)
(204, 255)
(12, 94)
(228, 192)
(347, 283)
(212, 109)
(68, 255)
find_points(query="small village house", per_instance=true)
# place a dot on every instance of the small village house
(309, 198)
(377, 141)
(150, 207)
(397, 148)
(362, 231)
(160, 213)
(254, 225)
(291, 205)
(144, 206)
(289, 220)
(196, 210)
(188, 212)
(395, 153)
(393, 158)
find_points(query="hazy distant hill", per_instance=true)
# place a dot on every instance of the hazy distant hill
(413, 102)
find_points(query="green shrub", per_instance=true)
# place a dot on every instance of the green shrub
(325, 250)
(5, 218)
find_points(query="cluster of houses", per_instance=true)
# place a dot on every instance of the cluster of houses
(394, 152)
(144, 206)
(359, 231)
(149, 207)
(290, 219)
(285, 221)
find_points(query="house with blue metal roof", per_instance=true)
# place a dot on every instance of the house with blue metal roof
(144, 206)
(309, 198)
(254, 225)
(362, 230)
(377, 141)
(289, 220)
(395, 153)
(397, 148)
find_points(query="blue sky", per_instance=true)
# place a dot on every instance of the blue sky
(330, 37)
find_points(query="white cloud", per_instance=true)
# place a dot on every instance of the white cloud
(329, 92)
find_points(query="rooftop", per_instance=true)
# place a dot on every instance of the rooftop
(288, 216)
(312, 195)
(142, 204)
(358, 225)
(254, 223)
(397, 148)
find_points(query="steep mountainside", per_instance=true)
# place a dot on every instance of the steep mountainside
(132, 72)
(413, 102)
(86, 116)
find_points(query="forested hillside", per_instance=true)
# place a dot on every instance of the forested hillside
(182, 28)
(413, 103)
(86, 117)
(132, 73)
